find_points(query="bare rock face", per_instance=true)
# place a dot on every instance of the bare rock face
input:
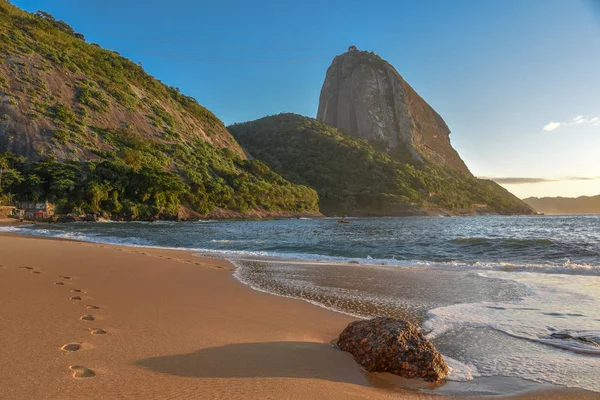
(365, 96)
(28, 126)
(394, 346)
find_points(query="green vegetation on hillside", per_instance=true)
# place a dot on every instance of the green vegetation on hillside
(85, 128)
(352, 177)
(146, 190)
(102, 78)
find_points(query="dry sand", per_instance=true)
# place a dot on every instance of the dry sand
(82, 320)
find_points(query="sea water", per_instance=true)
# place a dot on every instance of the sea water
(509, 296)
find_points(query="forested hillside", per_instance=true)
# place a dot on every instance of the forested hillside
(354, 178)
(92, 131)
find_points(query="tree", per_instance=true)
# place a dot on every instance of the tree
(8, 175)
(45, 15)
(97, 193)
(34, 187)
(3, 166)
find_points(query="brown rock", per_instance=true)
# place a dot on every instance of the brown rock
(365, 96)
(391, 345)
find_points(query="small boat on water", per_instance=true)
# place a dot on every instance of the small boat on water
(343, 222)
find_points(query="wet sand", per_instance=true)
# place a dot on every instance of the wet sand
(97, 321)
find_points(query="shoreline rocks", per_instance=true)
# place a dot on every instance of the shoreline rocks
(391, 345)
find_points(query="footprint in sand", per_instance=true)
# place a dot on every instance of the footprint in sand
(36, 272)
(59, 283)
(91, 307)
(71, 347)
(26, 267)
(75, 298)
(97, 331)
(81, 372)
(67, 278)
(76, 291)
(87, 317)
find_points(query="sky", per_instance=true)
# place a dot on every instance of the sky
(517, 82)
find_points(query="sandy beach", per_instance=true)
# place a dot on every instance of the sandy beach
(154, 324)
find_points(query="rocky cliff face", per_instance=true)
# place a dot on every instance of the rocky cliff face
(365, 96)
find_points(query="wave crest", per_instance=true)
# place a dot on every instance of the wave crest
(504, 241)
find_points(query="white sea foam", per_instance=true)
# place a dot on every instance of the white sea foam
(460, 372)
(559, 310)
(80, 236)
(239, 276)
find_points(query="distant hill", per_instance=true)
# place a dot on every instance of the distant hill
(85, 128)
(353, 177)
(565, 205)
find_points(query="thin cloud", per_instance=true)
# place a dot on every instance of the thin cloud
(578, 120)
(551, 126)
(511, 180)
(519, 180)
(581, 178)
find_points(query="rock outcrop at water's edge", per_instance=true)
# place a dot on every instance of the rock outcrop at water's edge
(395, 346)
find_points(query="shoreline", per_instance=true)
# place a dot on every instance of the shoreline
(263, 215)
(178, 323)
(566, 267)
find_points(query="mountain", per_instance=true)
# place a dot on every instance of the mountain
(376, 148)
(363, 95)
(354, 177)
(565, 205)
(90, 130)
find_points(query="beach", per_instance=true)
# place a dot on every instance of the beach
(167, 324)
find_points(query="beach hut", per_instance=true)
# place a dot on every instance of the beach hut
(37, 210)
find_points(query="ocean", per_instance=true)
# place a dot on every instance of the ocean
(499, 296)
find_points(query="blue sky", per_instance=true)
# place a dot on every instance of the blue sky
(498, 72)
